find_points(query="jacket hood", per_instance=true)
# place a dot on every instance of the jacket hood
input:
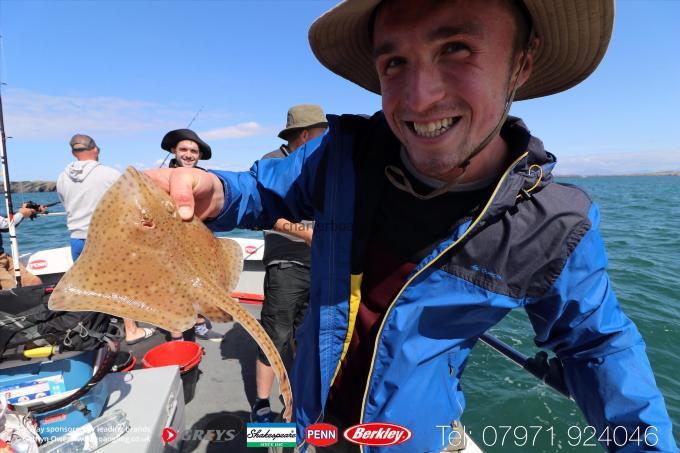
(530, 172)
(520, 140)
(80, 169)
(534, 170)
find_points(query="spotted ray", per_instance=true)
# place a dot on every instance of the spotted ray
(142, 262)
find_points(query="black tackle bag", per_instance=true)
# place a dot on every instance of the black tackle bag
(26, 322)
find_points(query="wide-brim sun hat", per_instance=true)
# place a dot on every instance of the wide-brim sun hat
(172, 138)
(574, 36)
(303, 116)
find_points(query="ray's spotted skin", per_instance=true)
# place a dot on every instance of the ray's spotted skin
(142, 261)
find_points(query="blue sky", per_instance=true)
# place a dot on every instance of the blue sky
(126, 72)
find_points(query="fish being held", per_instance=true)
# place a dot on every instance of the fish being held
(142, 261)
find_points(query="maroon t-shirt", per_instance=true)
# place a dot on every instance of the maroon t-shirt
(403, 230)
(384, 275)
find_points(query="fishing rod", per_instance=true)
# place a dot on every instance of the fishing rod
(549, 371)
(8, 197)
(30, 204)
(36, 207)
(188, 126)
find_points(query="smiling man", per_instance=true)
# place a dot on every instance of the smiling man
(187, 154)
(438, 215)
(441, 82)
(188, 149)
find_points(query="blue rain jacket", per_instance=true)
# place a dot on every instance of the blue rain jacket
(535, 245)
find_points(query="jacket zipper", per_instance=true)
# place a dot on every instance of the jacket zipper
(334, 192)
(403, 288)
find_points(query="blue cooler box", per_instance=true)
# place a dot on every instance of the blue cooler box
(33, 383)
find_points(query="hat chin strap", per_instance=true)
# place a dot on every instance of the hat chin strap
(399, 180)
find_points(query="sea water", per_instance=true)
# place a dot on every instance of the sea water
(640, 225)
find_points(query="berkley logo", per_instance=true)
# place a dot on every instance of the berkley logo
(321, 434)
(38, 264)
(377, 434)
(250, 249)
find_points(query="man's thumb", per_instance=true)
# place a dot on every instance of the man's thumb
(182, 192)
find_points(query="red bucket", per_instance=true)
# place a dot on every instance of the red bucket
(185, 354)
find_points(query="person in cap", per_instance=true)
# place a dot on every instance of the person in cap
(80, 187)
(188, 149)
(287, 261)
(438, 215)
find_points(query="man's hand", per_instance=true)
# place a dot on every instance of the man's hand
(307, 236)
(298, 230)
(31, 209)
(194, 191)
(26, 212)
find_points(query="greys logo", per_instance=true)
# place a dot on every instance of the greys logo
(214, 428)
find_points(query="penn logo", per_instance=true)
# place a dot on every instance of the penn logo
(321, 434)
(377, 434)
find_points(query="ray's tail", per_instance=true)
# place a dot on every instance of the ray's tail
(256, 331)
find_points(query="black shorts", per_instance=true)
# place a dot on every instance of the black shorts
(286, 296)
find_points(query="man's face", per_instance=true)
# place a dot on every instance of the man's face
(186, 153)
(314, 132)
(444, 70)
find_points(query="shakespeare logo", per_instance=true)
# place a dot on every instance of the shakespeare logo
(271, 435)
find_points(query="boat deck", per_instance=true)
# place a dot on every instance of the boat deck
(226, 384)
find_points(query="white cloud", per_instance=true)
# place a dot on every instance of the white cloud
(34, 116)
(242, 130)
(619, 163)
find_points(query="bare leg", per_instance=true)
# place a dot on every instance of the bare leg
(6, 277)
(264, 379)
(132, 332)
(176, 336)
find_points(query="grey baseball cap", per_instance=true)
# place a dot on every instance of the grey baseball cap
(82, 142)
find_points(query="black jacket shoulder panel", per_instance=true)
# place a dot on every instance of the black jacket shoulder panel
(522, 252)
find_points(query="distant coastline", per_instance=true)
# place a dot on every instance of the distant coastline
(31, 186)
(655, 173)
